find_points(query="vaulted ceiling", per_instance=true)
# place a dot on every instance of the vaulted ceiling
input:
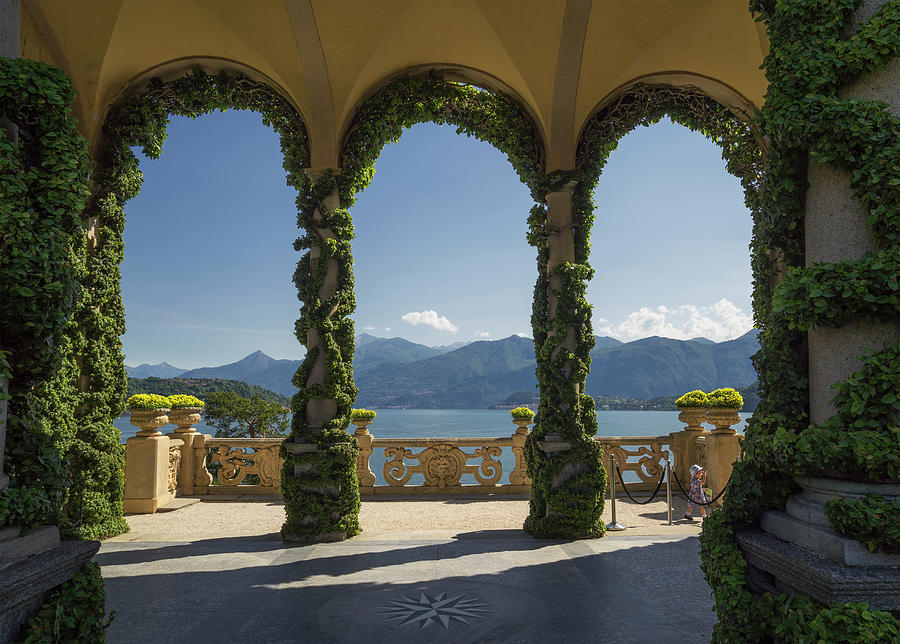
(560, 58)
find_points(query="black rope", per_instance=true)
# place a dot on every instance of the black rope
(655, 492)
(694, 501)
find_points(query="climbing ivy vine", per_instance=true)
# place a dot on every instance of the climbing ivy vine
(567, 494)
(321, 493)
(805, 118)
(44, 171)
(141, 121)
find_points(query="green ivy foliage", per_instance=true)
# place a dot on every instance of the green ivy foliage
(141, 121)
(75, 612)
(873, 521)
(811, 57)
(833, 294)
(321, 488)
(43, 187)
(565, 410)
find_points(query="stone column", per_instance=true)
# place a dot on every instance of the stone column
(797, 549)
(561, 250)
(565, 454)
(836, 229)
(320, 411)
(319, 480)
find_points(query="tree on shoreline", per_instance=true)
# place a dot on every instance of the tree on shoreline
(234, 416)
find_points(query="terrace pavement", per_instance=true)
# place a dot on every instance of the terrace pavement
(423, 570)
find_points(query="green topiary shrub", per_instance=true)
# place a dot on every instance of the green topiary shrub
(183, 401)
(521, 412)
(694, 398)
(362, 414)
(148, 401)
(727, 398)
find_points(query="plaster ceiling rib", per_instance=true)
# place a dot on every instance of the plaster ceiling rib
(561, 148)
(322, 141)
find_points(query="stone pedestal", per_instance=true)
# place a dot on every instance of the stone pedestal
(723, 449)
(518, 476)
(147, 474)
(305, 472)
(28, 582)
(184, 420)
(798, 550)
(685, 450)
(363, 470)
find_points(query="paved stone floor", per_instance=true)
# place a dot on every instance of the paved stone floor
(466, 585)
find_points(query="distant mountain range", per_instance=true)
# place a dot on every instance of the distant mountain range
(397, 372)
(161, 370)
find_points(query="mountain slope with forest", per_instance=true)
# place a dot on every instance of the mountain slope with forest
(399, 373)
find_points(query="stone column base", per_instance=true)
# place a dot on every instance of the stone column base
(27, 583)
(777, 566)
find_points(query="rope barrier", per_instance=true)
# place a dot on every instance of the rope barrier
(694, 501)
(662, 476)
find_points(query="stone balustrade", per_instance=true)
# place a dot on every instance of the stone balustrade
(199, 464)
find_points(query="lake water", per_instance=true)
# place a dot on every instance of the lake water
(453, 423)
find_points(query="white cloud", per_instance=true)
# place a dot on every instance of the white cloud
(430, 318)
(387, 328)
(368, 328)
(717, 322)
(482, 334)
(522, 335)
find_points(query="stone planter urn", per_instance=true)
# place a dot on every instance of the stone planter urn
(184, 419)
(723, 418)
(149, 421)
(693, 417)
(362, 425)
(522, 424)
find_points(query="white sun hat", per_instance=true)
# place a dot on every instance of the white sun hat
(695, 469)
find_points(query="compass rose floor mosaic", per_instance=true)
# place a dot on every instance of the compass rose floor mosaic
(476, 586)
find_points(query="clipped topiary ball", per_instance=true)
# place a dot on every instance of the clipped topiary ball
(148, 401)
(183, 401)
(694, 398)
(521, 412)
(727, 398)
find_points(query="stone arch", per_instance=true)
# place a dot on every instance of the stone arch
(139, 118)
(176, 68)
(438, 79)
(705, 105)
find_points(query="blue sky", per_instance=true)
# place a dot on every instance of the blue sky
(440, 251)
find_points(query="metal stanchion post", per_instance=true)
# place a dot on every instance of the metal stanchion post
(613, 525)
(669, 488)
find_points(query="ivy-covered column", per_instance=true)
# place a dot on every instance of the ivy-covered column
(319, 483)
(805, 547)
(838, 241)
(564, 462)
